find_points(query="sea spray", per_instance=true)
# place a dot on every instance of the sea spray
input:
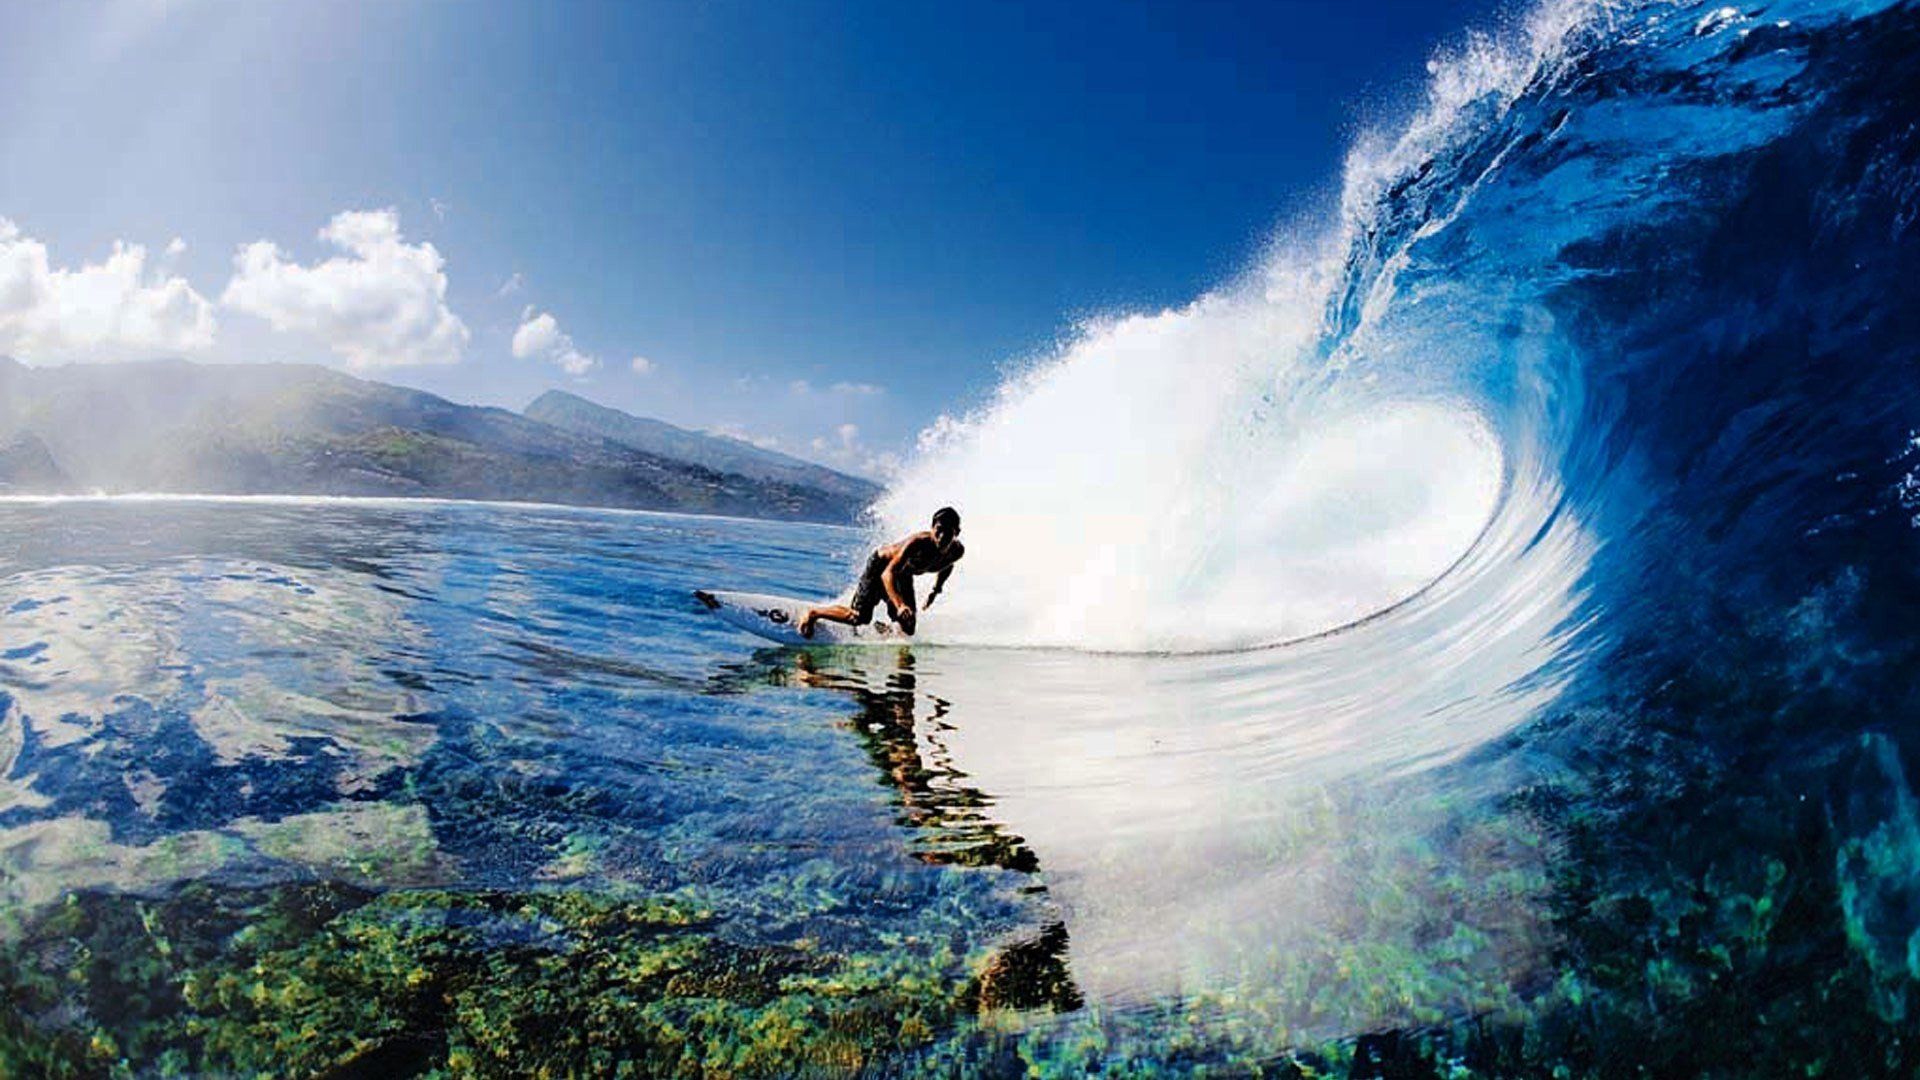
(1190, 480)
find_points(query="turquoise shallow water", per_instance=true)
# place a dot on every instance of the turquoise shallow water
(482, 696)
(294, 715)
(448, 696)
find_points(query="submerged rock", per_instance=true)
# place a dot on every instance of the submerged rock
(1878, 872)
(1030, 973)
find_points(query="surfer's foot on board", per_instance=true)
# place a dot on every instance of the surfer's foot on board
(829, 613)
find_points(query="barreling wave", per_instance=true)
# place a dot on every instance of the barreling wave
(1277, 459)
(1434, 381)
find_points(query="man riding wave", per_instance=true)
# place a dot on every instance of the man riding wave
(888, 577)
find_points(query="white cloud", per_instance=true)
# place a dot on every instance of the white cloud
(834, 407)
(642, 366)
(803, 388)
(513, 284)
(539, 337)
(735, 431)
(99, 311)
(439, 208)
(844, 450)
(383, 303)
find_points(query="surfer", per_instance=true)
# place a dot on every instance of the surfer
(889, 576)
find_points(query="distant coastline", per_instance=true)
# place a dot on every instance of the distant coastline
(401, 501)
(175, 428)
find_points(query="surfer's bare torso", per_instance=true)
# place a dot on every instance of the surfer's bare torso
(921, 554)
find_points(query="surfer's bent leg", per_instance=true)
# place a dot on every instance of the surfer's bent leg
(866, 596)
(831, 613)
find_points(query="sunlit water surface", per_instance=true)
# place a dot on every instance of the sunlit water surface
(215, 706)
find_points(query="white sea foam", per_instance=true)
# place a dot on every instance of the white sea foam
(1143, 493)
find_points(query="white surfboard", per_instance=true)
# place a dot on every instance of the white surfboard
(777, 618)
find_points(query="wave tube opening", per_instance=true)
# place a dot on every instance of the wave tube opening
(1173, 483)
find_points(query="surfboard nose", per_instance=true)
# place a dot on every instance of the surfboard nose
(712, 603)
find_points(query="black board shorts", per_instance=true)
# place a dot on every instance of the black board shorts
(872, 592)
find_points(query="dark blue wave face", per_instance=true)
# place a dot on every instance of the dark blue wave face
(1678, 259)
(1628, 791)
(1679, 263)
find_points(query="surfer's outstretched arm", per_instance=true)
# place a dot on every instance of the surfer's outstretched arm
(897, 581)
(941, 582)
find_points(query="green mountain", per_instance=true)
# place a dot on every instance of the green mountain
(718, 452)
(174, 426)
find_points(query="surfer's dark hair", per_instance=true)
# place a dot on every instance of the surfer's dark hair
(947, 516)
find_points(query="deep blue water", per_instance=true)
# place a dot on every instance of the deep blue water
(1627, 790)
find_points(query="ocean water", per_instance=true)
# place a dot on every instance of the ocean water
(1480, 640)
(296, 784)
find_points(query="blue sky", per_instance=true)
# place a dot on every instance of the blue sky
(799, 216)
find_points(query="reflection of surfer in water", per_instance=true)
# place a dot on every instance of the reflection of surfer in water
(889, 576)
